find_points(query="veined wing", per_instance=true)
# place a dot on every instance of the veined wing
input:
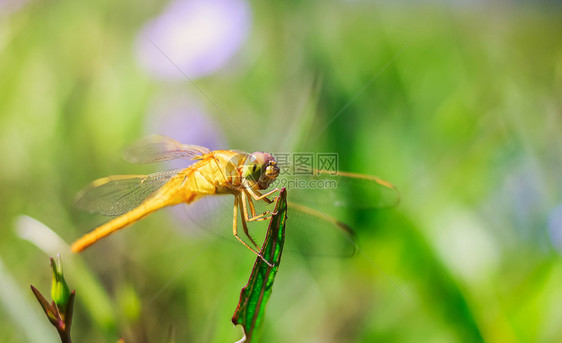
(313, 232)
(118, 194)
(158, 148)
(316, 205)
(341, 189)
(310, 232)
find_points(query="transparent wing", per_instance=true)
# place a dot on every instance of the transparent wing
(315, 233)
(118, 194)
(309, 232)
(157, 148)
(341, 189)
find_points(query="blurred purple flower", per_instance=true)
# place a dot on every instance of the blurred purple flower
(10, 6)
(197, 36)
(555, 227)
(519, 206)
(526, 191)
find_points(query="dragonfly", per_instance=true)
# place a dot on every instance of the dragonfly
(246, 176)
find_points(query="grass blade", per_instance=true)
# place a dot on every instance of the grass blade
(254, 296)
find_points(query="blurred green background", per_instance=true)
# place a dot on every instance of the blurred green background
(457, 104)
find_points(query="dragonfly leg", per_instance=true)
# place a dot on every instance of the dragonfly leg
(257, 196)
(243, 217)
(264, 216)
(251, 203)
(235, 232)
(269, 201)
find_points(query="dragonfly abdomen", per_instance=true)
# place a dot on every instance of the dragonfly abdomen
(150, 205)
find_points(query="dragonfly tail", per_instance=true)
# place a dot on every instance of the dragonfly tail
(120, 222)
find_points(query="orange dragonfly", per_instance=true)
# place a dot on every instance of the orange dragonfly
(246, 176)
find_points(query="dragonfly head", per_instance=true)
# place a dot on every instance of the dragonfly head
(260, 168)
